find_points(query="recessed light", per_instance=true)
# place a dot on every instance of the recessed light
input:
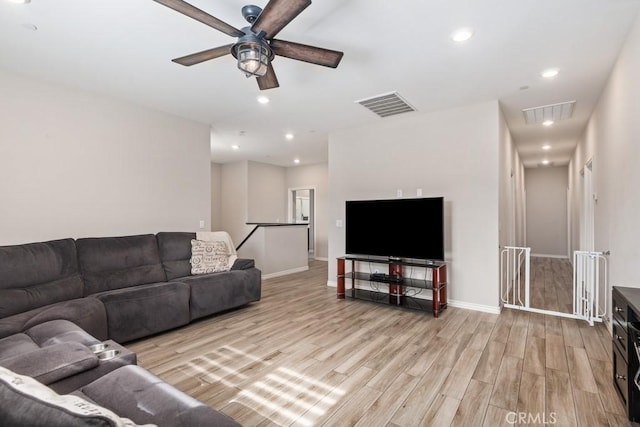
(19, 1)
(549, 73)
(545, 162)
(462, 35)
(547, 123)
(235, 147)
(296, 161)
(289, 136)
(546, 147)
(263, 100)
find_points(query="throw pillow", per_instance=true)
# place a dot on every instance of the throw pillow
(209, 256)
(26, 402)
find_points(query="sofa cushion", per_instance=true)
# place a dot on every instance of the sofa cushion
(26, 402)
(109, 263)
(38, 274)
(175, 253)
(16, 344)
(123, 357)
(58, 332)
(87, 313)
(216, 292)
(144, 310)
(52, 363)
(139, 395)
(45, 334)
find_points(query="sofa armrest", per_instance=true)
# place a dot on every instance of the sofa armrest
(52, 363)
(243, 264)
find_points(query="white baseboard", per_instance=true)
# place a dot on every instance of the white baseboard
(285, 272)
(321, 259)
(453, 303)
(550, 256)
(475, 307)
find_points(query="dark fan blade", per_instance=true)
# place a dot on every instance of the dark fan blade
(269, 80)
(277, 14)
(302, 52)
(205, 55)
(202, 16)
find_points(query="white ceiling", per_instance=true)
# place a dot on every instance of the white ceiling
(123, 48)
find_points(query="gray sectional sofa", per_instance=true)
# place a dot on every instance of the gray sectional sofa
(59, 298)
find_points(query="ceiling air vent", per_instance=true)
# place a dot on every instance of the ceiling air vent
(388, 104)
(555, 112)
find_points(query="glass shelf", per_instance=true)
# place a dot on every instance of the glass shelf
(388, 261)
(406, 281)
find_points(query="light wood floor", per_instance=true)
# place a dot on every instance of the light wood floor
(551, 284)
(301, 357)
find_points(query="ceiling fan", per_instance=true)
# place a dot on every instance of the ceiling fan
(256, 46)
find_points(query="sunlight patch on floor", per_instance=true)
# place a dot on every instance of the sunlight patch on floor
(286, 396)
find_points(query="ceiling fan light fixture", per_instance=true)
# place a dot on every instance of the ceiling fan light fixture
(255, 46)
(253, 59)
(253, 54)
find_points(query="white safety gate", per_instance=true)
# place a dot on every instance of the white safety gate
(590, 287)
(589, 291)
(514, 276)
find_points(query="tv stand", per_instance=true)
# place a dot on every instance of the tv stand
(397, 292)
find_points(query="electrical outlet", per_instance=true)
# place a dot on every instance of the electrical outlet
(338, 223)
(202, 224)
(399, 192)
(419, 192)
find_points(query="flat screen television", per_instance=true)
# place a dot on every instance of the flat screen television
(396, 228)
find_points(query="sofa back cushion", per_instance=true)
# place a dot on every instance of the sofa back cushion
(108, 263)
(37, 274)
(175, 253)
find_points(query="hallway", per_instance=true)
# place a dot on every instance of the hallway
(551, 284)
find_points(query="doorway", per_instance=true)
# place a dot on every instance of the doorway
(550, 283)
(302, 211)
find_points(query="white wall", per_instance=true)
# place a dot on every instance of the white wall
(267, 197)
(234, 200)
(611, 140)
(314, 176)
(451, 153)
(278, 250)
(547, 210)
(216, 196)
(76, 164)
(257, 192)
(511, 216)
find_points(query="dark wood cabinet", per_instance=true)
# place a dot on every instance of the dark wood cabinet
(626, 311)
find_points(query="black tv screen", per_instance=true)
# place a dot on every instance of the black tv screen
(398, 228)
